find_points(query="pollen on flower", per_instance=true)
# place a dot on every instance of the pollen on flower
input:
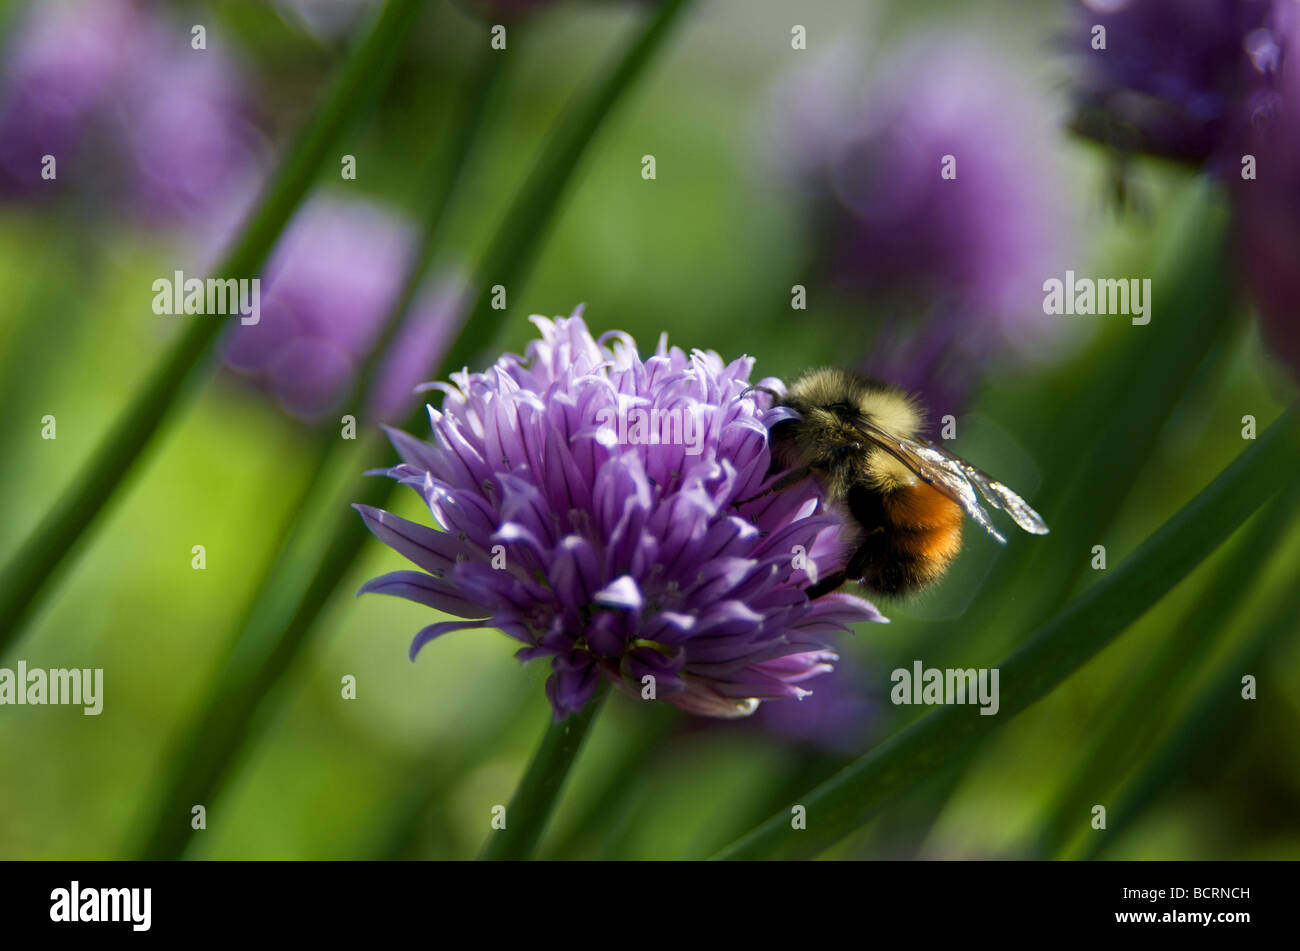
(626, 557)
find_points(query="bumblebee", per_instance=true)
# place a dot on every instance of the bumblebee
(905, 496)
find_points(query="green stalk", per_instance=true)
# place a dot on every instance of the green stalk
(534, 800)
(406, 816)
(329, 446)
(268, 646)
(617, 784)
(364, 73)
(1188, 642)
(1059, 648)
(489, 75)
(903, 826)
(254, 653)
(510, 256)
(1194, 733)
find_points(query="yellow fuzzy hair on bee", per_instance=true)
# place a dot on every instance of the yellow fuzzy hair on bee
(817, 394)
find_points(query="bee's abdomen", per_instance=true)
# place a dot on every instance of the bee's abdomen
(909, 536)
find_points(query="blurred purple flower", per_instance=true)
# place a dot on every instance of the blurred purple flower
(1208, 82)
(618, 559)
(934, 202)
(189, 144)
(128, 109)
(1266, 210)
(331, 281)
(1176, 76)
(61, 66)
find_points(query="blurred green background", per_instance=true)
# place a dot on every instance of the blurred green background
(707, 253)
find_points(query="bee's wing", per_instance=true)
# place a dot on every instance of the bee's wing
(958, 480)
(999, 496)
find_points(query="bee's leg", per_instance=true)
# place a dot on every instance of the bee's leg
(826, 585)
(791, 478)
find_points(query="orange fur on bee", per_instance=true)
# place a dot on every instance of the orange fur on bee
(929, 522)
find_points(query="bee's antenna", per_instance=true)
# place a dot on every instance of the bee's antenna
(762, 389)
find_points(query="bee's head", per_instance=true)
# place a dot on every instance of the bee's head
(823, 438)
(832, 430)
(829, 436)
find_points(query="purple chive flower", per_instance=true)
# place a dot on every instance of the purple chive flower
(933, 198)
(1266, 211)
(837, 717)
(132, 113)
(565, 527)
(331, 281)
(1175, 74)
